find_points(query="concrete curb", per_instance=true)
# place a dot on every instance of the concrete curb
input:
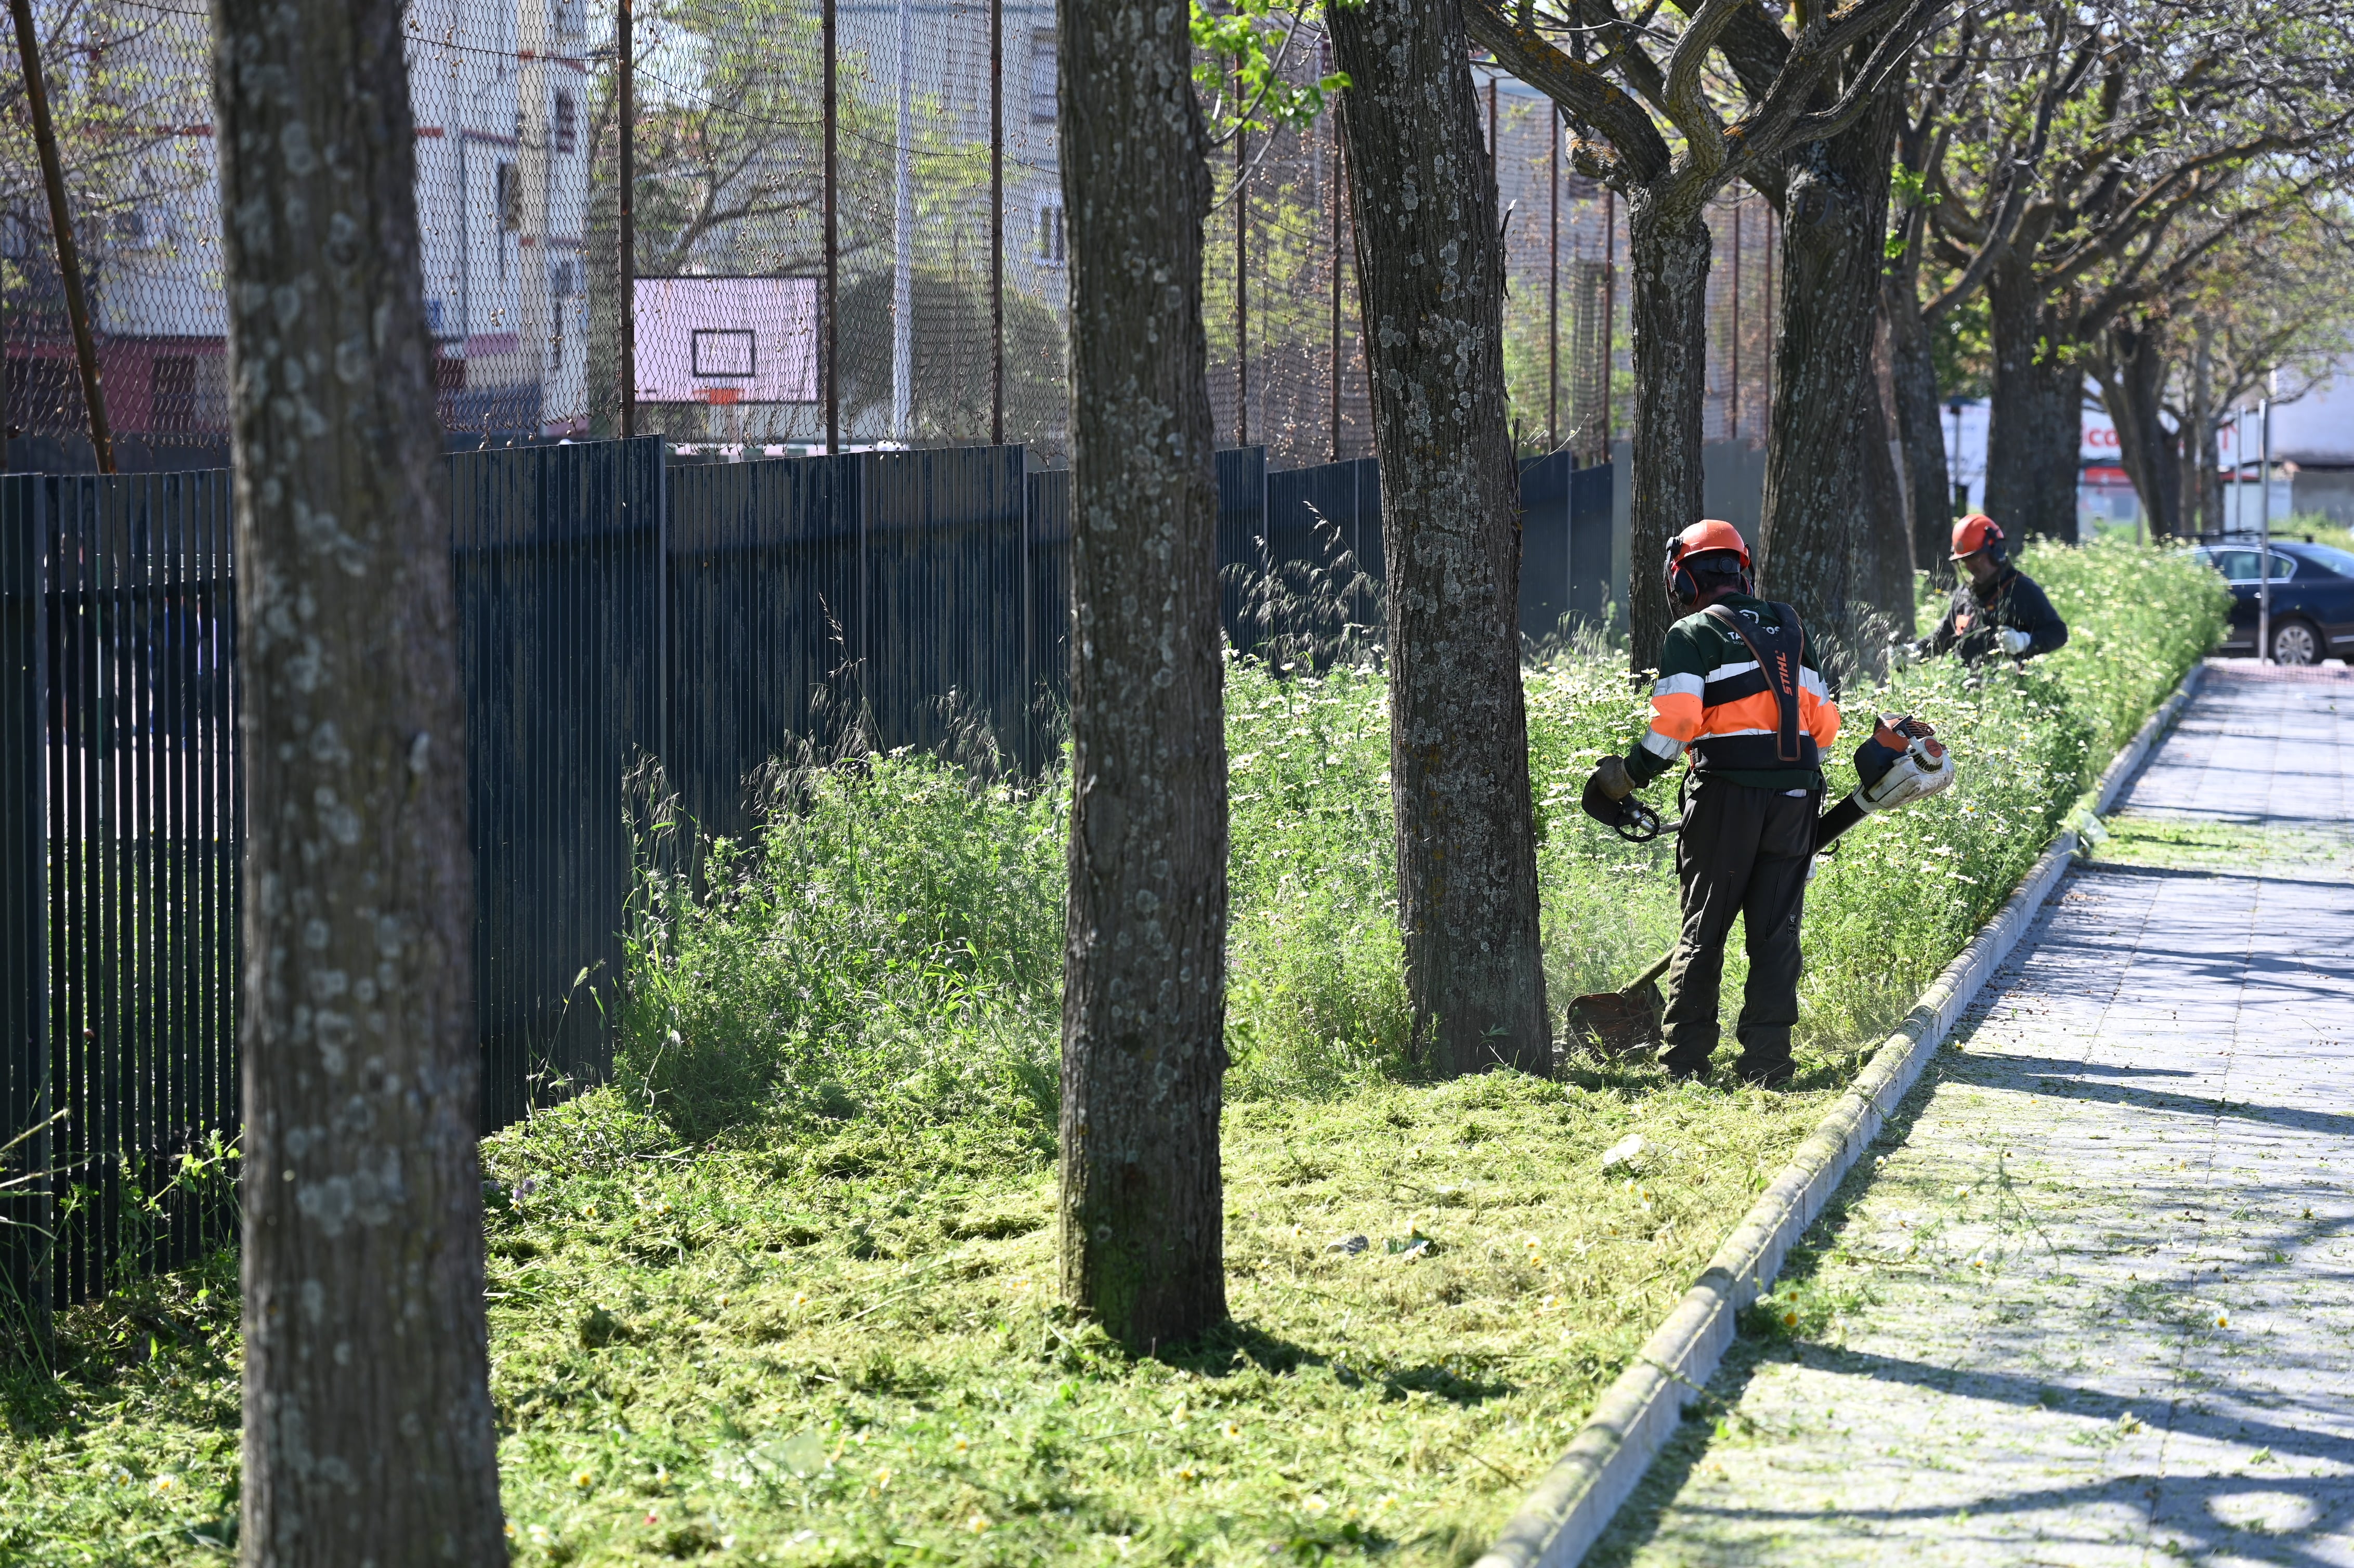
(1573, 1501)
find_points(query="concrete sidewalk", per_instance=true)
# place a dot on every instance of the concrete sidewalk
(2091, 1300)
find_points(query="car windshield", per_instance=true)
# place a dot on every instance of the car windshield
(2330, 557)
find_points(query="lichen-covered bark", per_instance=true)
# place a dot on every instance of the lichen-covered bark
(368, 1435)
(2035, 424)
(1817, 545)
(1668, 255)
(1430, 262)
(1144, 967)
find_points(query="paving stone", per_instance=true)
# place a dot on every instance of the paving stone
(2094, 1302)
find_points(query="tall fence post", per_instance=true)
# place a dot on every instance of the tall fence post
(61, 233)
(1609, 307)
(1733, 377)
(1339, 194)
(626, 90)
(903, 240)
(997, 229)
(1241, 276)
(1552, 285)
(832, 248)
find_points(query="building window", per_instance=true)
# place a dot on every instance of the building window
(509, 184)
(1052, 242)
(1043, 94)
(567, 132)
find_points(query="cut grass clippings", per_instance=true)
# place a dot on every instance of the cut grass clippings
(799, 1355)
(806, 1310)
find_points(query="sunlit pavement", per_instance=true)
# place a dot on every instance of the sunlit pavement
(2094, 1304)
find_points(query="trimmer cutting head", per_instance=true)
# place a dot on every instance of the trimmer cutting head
(1616, 1024)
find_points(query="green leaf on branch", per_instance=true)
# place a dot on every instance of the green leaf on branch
(1244, 49)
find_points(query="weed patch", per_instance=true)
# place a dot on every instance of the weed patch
(786, 1291)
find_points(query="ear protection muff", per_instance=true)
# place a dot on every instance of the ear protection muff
(1682, 587)
(1979, 532)
(1678, 578)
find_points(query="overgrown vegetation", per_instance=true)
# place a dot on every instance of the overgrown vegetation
(785, 1292)
(893, 941)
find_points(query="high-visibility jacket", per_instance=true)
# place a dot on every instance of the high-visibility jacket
(1713, 701)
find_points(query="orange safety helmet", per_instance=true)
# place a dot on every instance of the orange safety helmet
(1978, 532)
(1706, 536)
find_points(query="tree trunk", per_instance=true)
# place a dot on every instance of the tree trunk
(2132, 379)
(1431, 270)
(2202, 481)
(1815, 524)
(1144, 1008)
(1883, 581)
(1921, 429)
(2036, 424)
(368, 1433)
(1669, 257)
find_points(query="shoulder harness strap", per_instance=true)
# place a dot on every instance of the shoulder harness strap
(1776, 650)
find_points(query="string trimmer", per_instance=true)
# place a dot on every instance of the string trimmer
(1902, 762)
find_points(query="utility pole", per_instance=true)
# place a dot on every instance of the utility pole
(1961, 485)
(53, 179)
(2265, 539)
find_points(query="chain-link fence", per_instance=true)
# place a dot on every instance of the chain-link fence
(847, 231)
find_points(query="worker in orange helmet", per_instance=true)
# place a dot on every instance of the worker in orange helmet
(1996, 608)
(1739, 692)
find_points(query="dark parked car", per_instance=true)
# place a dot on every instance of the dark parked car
(2313, 599)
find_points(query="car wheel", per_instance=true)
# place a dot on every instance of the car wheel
(2296, 643)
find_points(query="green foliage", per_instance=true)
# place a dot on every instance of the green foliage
(892, 939)
(1961, 346)
(1242, 49)
(1905, 892)
(951, 395)
(2315, 528)
(891, 944)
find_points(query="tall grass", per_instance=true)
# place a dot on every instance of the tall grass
(890, 942)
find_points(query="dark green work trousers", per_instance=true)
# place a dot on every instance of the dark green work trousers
(1743, 851)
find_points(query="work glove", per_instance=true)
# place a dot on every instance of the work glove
(2014, 641)
(1609, 798)
(1608, 784)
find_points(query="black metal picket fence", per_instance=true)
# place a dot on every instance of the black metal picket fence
(616, 604)
(120, 826)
